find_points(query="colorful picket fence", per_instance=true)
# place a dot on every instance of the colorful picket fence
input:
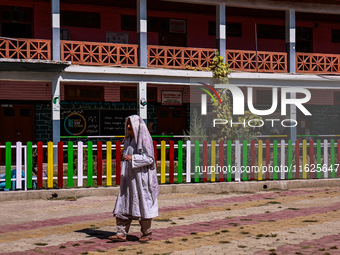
(100, 164)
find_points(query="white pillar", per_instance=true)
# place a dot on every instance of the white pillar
(55, 9)
(142, 97)
(291, 40)
(221, 31)
(142, 32)
(56, 114)
(293, 117)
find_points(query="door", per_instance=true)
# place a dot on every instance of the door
(304, 39)
(17, 123)
(171, 120)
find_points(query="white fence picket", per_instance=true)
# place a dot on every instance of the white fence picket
(18, 165)
(188, 162)
(80, 164)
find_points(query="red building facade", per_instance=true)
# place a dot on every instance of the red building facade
(98, 70)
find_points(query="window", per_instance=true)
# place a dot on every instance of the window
(129, 94)
(265, 31)
(155, 24)
(233, 29)
(265, 97)
(335, 35)
(80, 19)
(84, 93)
(337, 98)
(129, 22)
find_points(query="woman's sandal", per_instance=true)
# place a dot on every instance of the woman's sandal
(144, 239)
(117, 238)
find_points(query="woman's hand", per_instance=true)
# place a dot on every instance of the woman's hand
(128, 157)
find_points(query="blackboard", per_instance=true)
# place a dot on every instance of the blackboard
(93, 122)
(113, 121)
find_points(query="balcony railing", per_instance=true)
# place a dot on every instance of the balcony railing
(188, 58)
(109, 54)
(317, 63)
(179, 57)
(25, 49)
(95, 53)
(262, 61)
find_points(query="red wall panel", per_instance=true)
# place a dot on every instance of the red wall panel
(11, 90)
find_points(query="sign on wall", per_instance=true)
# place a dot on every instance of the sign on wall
(172, 98)
(94, 122)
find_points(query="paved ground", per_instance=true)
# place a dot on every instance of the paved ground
(296, 221)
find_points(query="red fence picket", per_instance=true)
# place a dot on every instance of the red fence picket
(252, 160)
(221, 161)
(268, 159)
(297, 159)
(155, 151)
(311, 156)
(60, 165)
(99, 163)
(40, 165)
(118, 160)
(205, 161)
(171, 162)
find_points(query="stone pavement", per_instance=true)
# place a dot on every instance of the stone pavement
(295, 221)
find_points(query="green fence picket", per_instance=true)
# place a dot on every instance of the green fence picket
(90, 164)
(290, 159)
(8, 165)
(197, 160)
(245, 160)
(70, 164)
(333, 158)
(29, 165)
(180, 161)
(229, 160)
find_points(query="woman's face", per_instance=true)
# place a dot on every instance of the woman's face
(129, 128)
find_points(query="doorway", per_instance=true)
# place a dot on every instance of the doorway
(171, 120)
(304, 39)
(17, 123)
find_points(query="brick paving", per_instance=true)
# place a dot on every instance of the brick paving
(297, 221)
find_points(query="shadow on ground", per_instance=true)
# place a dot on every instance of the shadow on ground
(103, 234)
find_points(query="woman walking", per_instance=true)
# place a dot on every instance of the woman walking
(137, 198)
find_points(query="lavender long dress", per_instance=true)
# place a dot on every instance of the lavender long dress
(136, 197)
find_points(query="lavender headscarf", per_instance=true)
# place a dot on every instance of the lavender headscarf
(144, 146)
